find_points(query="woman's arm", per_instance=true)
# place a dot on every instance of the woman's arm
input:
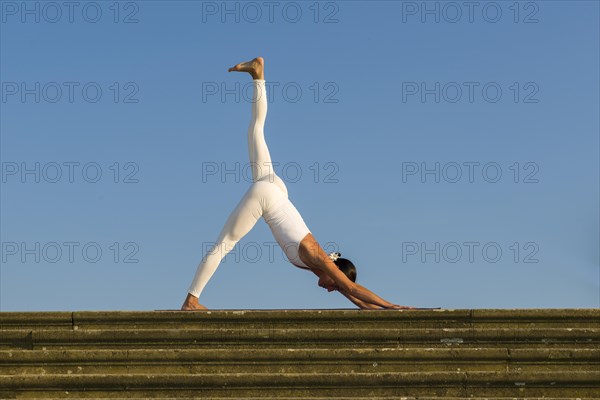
(316, 258)
(361, 304)
(371, 306)
(362, 293)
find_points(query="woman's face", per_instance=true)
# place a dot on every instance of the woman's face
(327, 283)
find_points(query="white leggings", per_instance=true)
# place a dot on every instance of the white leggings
(267, 189)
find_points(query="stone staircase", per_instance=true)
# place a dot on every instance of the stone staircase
(302, 354)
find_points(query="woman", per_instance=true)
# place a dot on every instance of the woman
(267, 197)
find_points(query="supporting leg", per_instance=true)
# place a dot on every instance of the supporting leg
(239, 223)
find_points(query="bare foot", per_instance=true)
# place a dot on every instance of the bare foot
(254, 67)
(191, 304)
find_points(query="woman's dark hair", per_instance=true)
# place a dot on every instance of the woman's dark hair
(346, 267)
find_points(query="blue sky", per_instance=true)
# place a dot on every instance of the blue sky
(451, 153)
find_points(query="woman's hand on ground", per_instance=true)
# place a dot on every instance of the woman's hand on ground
(399, 307)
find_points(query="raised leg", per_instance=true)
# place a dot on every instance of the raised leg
(258, 151)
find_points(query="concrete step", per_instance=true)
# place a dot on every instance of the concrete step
(155, 395)
(420, 354)
(298, 319)
(112, 396)
(217, 361)
(170, 338)
(240, 395)
(461, 384)
(294, 337)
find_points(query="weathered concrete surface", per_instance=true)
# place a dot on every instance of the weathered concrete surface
(326, 318)
(410, 354)
(312, 336)
(295, 360)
